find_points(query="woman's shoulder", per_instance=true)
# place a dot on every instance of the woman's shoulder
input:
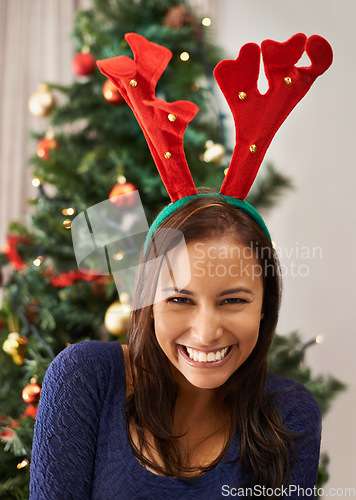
(296, 403)
(96, 351)
(87, 358)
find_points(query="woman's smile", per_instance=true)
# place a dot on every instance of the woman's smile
(206, 359)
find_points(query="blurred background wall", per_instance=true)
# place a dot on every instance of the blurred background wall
(312, 226)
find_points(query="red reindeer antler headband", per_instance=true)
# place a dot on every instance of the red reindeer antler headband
(257, 117)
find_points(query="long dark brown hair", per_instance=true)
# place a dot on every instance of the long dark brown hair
(266, 445)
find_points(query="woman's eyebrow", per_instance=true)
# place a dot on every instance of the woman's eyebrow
(235, 290)
(225, 292)
(172, 289)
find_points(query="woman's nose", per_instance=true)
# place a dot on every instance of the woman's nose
(206, 326)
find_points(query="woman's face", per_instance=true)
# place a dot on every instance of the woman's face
(210, 327)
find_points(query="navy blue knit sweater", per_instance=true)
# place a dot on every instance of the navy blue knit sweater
(81, 449)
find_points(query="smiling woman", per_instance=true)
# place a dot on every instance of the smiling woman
(187, 409)
(201, 351)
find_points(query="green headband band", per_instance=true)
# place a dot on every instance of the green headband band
(241, 204)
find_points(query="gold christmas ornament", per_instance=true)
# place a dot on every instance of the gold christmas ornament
(214, 153)
(11, 344)
(117, 315)
(42, 101)
(14, 346)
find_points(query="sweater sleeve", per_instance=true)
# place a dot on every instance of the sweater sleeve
(66, 426)
(302, 416)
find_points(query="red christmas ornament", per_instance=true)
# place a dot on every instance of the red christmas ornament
(44, 148)
(83, 64)
(112, 94)
(123, 189)
(31, 393)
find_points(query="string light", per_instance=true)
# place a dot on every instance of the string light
(68, 211)
(67, 223)
(121, 179)
(319, 339)
(206, 21)
(37, 262)
(119, 256)
(184, 56)
(36, 182)
(23, 464)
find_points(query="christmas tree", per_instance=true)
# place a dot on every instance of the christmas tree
(93, 150)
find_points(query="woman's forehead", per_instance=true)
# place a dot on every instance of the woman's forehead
(210, 263)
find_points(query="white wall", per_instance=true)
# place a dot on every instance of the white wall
(315, 147)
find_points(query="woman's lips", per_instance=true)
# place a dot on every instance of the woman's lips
(206, 364)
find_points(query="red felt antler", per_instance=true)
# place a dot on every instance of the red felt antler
(258, 117)
(162, 123)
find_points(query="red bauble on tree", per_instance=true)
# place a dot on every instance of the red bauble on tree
(44, 147)
(112, 94)
(83, 63)
(123, 189)
(31, 392)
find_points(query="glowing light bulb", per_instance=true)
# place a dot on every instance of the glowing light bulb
(23, 464)
(319, 339)
(121, 179)
(37, 262)
(184, 56)
(119, 256)
(206, 21)
(36, 182)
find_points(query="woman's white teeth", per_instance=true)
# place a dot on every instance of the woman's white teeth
(203, 357)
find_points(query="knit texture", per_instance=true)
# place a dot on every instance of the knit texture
(81, 449)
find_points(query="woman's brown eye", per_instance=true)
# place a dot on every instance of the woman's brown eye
(178, 300)
(234, 300)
